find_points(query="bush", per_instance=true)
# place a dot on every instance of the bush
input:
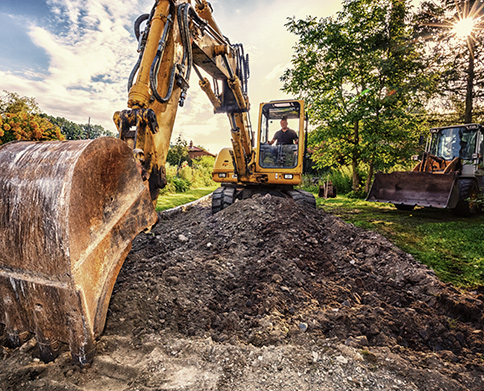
(181, 185)
(24, 126)
(184, 178)
(342, 179)
(310, 183)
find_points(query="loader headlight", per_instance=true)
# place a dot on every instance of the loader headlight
(222, 175)
(288, 176)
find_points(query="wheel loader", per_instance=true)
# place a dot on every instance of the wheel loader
(70, 209)
(449, 175)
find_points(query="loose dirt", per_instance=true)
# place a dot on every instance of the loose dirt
(271, 295)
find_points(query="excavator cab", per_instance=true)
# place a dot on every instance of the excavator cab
(283, 152)
(275, 165)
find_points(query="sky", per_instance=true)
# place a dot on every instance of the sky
(74, 57)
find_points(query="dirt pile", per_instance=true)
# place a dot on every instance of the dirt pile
(266, 281)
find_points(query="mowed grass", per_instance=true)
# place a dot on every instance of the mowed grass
(169, 201)
(450, 245)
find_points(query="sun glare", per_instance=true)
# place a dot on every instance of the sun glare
(463, 28)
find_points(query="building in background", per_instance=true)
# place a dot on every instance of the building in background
(196, 152)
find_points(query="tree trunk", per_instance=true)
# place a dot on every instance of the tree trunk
(369, 178)
(470, 81)
(354, 158)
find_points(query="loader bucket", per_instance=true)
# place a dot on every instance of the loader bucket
(415, 188)
(68, 214)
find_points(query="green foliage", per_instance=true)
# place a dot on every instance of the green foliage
(310, 184)
(178, 153)
(13, 103)
(450, 245)
(74, 131)
(183, 178)
(181, 184)
(455, 61)
(19, 120)
(363, 82)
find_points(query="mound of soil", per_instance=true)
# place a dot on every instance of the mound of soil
(270, 294)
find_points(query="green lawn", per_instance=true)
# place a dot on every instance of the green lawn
(171, 200)
(452, 246)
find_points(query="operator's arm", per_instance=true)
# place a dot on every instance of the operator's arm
(275, 138)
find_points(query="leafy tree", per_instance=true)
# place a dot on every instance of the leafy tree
(178, 153)
(73, 131)
(19, 120)
(362, 79)
(457, 59)
(13, 103)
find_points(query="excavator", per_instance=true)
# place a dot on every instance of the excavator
(70, 209)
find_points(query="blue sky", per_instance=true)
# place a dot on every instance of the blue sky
(74, 56)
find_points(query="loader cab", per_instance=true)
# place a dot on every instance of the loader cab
(462, 142)
(280, 149)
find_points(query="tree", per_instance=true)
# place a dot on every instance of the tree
(74, 131)
(178, 153)
(457, 57)
(363, 81)
(13, 103)
(19, 120)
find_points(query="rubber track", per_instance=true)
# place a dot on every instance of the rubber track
(303, 197)
(222, 198)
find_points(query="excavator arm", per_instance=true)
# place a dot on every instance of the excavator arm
(71, 209)
(177, 39)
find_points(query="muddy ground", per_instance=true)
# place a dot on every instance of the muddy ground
(269, 295)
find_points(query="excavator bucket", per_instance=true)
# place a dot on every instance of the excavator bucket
(68, 214)
(415, 188)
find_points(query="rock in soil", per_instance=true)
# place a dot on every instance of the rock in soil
(267, 294)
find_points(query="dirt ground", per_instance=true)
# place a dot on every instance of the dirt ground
(269, 295)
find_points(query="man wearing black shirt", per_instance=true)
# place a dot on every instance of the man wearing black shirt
(284, 136)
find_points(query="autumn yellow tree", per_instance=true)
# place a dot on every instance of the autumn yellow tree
(20, 120)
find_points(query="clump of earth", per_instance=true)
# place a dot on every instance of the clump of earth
(269, 294)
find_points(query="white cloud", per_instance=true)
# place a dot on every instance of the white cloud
(92, 50)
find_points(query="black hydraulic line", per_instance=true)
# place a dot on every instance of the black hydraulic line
(155, 66)
(200, 76)
(229, 68)
(134, 71)
(137, 24)
(142, 42)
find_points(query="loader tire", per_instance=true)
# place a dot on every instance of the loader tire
(303, 197)
(222, 198)
(468, 193)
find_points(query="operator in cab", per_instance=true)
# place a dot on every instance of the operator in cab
(284, 136)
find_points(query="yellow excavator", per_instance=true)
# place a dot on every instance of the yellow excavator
(70, 209)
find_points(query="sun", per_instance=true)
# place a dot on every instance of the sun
(463, 27)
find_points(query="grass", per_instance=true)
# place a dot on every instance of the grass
(452, 246)
(169, 201)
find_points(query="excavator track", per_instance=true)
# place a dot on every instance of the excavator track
(69, 213)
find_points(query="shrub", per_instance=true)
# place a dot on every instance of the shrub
(181, 179)
(24, 126)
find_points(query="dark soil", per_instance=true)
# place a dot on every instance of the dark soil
(269, 279)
